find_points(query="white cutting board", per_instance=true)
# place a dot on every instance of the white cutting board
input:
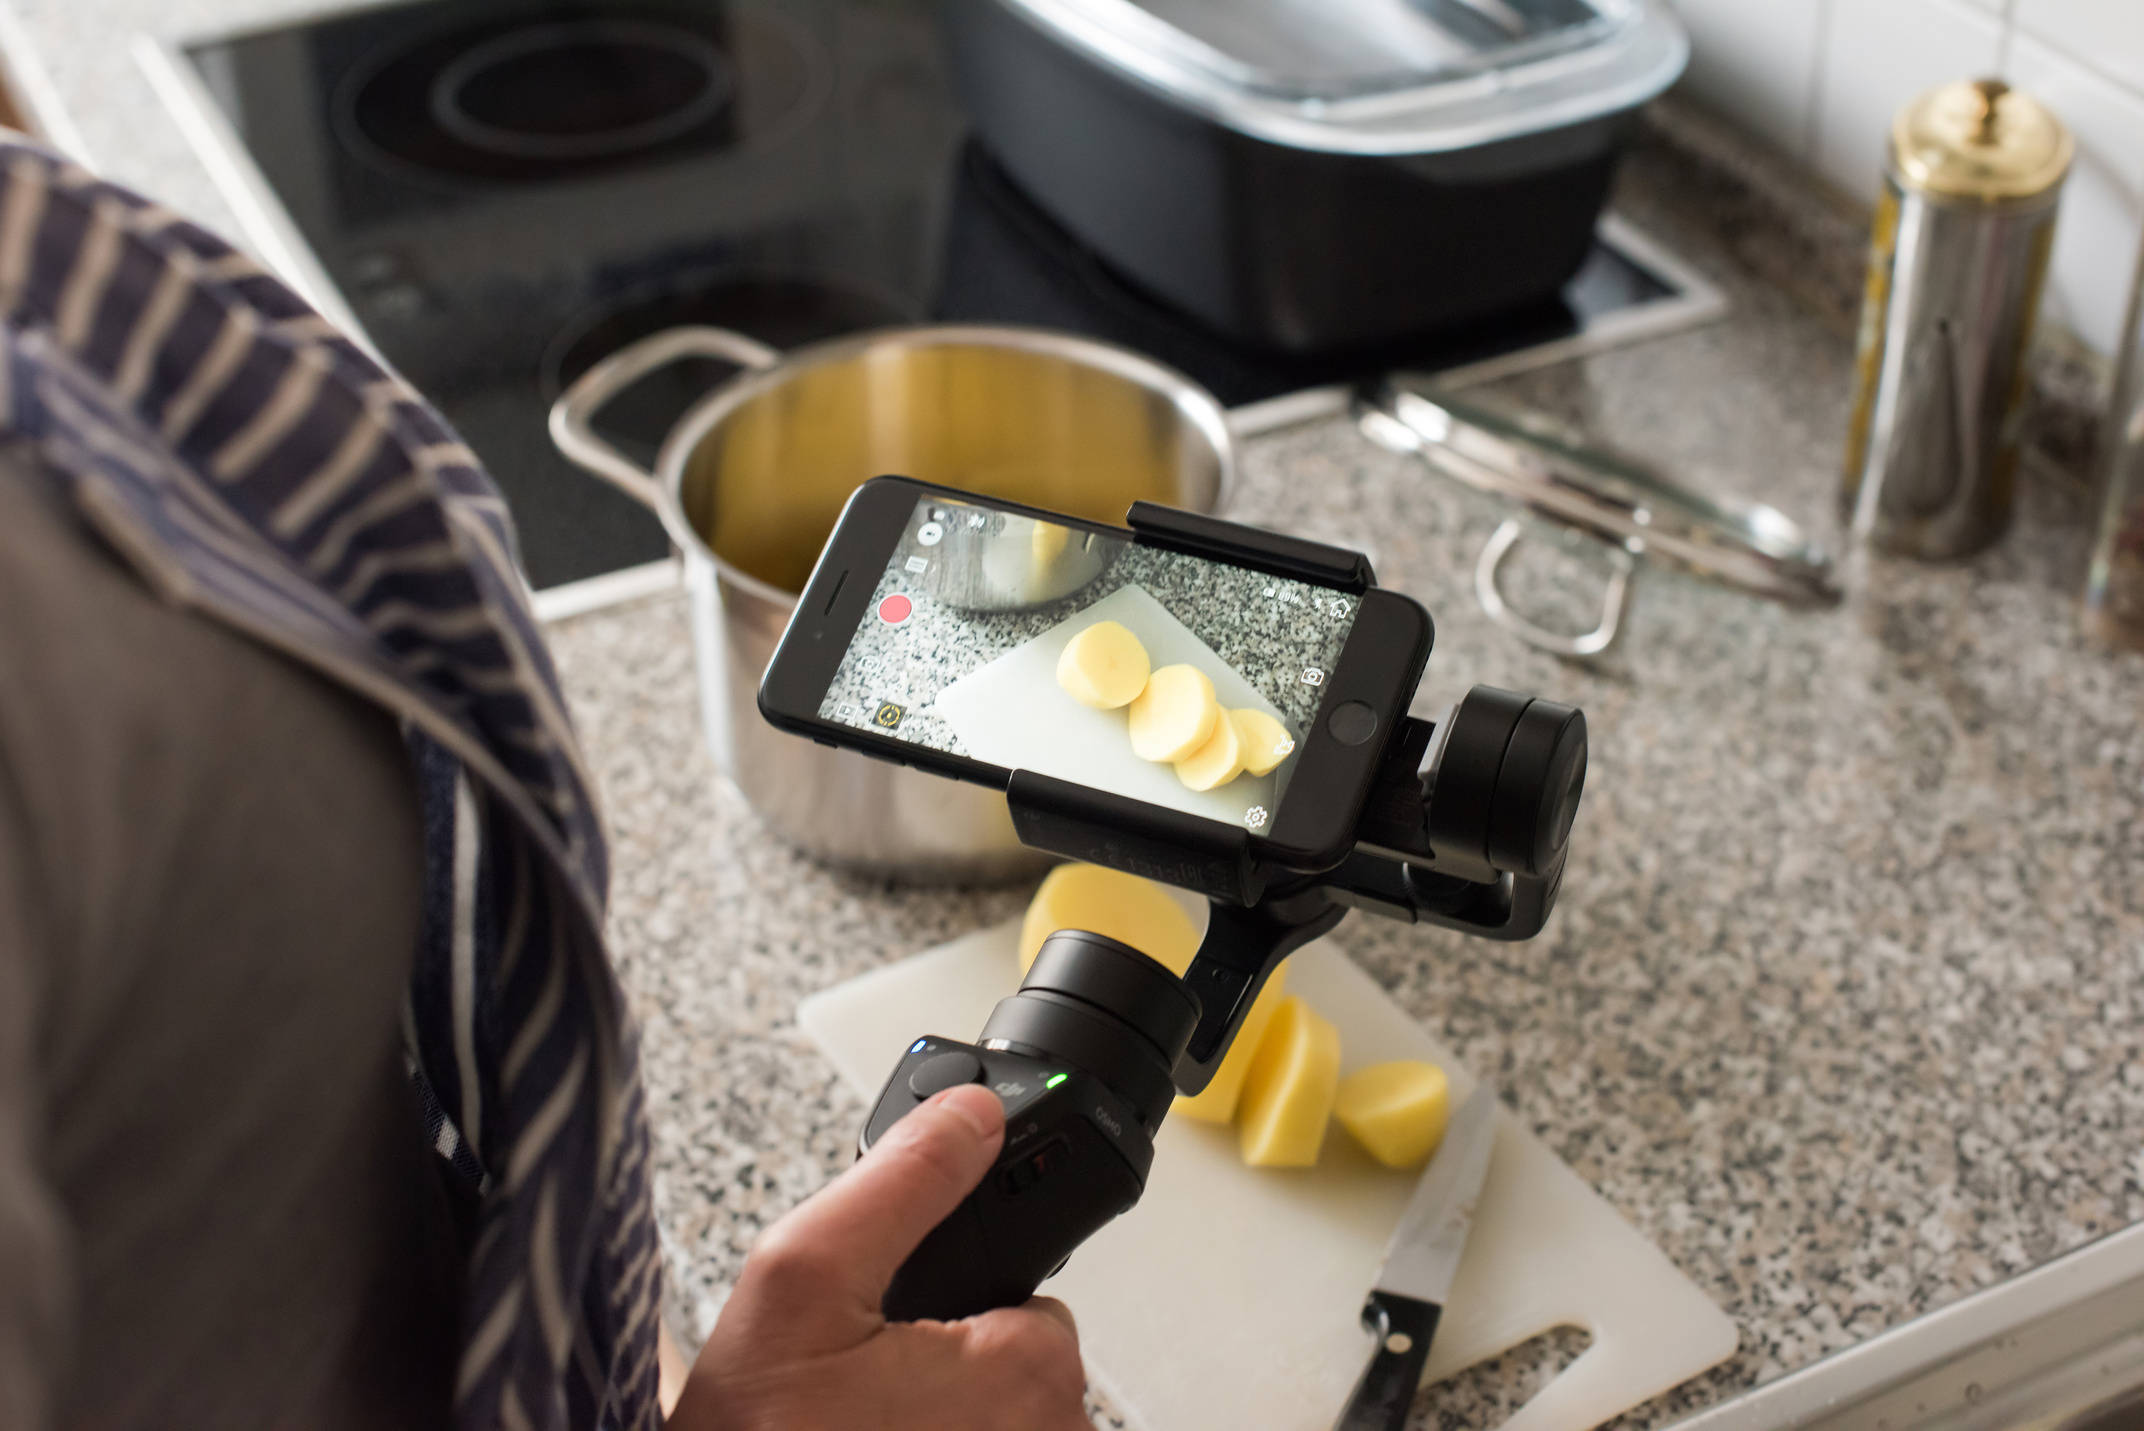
(1012, 713)
(1228, 1299)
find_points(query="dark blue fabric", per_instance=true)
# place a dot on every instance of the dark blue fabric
(260, 468)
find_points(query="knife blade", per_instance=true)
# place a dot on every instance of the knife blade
(1420, 1261)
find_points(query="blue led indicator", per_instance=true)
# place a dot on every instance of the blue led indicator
(919, 1045)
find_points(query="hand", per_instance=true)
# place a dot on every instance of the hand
(801, 1345)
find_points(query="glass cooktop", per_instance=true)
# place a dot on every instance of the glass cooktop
(503, 194)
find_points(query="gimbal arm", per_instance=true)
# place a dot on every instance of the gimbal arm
(1242, 948)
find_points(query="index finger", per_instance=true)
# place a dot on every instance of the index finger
(836, 1253)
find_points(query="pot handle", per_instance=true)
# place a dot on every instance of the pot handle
(573, 415)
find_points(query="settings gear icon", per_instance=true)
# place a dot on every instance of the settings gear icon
(1255, 817)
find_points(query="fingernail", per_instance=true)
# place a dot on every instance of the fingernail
(975, 1106)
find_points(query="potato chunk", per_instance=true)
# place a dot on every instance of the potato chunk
(1110, 903)
(1288, 1094)
(1047, 543)
(1174, 715)
(1103, 666)
(1397, 1111)
(1218, 761)
(1218, 1103)
(1266, 742)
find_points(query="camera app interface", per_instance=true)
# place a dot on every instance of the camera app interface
(1034, 646)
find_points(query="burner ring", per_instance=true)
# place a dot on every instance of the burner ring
(500, 74)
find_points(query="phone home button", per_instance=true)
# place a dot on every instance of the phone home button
(1352, 724)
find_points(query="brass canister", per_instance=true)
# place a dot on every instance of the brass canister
(1957, 260)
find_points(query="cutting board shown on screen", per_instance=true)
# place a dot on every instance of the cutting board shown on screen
(1013, 713)
(1228, 1299)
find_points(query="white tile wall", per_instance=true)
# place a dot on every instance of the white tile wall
(1757, 61)
(1877, 55)
(2102, 219)
(2107, 35)
(1821, 79)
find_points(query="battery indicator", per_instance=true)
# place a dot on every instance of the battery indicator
(1055, 1079)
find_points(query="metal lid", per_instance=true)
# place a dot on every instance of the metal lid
(1980, 140)
(1381, 76)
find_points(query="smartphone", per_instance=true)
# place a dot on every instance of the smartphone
(933, 626)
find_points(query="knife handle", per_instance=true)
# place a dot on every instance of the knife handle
(1403, 1326)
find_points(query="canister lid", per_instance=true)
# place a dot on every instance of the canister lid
(1980, 139)
(1380, 76)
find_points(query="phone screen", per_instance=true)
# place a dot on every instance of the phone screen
(960, 647)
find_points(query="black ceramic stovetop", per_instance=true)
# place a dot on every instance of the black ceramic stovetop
(505, 193)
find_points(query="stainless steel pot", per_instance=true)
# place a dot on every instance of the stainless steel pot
(750, 482)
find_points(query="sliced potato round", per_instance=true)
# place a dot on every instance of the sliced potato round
(1215, 763)
(1397, 1111)
(1117, 905)
(1103, 666)
(1174, 715)
(1266, 742)
(1288, 1094)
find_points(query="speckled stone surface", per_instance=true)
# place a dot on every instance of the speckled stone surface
(1841, 1005)
(1268, 629)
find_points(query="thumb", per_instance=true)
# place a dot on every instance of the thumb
(854, 1234)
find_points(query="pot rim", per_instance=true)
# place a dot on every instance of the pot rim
(1200, 407)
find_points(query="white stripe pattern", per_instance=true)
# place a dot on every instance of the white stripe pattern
(254, 465)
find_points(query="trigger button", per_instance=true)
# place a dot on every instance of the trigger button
(1030, 1168)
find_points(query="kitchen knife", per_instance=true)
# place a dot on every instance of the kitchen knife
(1420, 1261)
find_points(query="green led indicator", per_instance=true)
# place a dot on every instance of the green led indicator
(1055, 1079)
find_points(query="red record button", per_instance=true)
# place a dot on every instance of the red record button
(895, 609)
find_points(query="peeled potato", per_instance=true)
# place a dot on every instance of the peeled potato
(1048, 543)
(1218, 1103)
(1266, 742)
(1218, 761)
(1103, 666)
(1110, 903)
(1174, 715)
(1288, 1093)
(1397, 1111)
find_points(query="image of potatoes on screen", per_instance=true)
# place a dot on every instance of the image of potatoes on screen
(1026, 644)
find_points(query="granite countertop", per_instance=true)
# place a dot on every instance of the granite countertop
(1839, 1003)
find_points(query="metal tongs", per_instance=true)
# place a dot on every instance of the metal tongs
(1631, 509)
